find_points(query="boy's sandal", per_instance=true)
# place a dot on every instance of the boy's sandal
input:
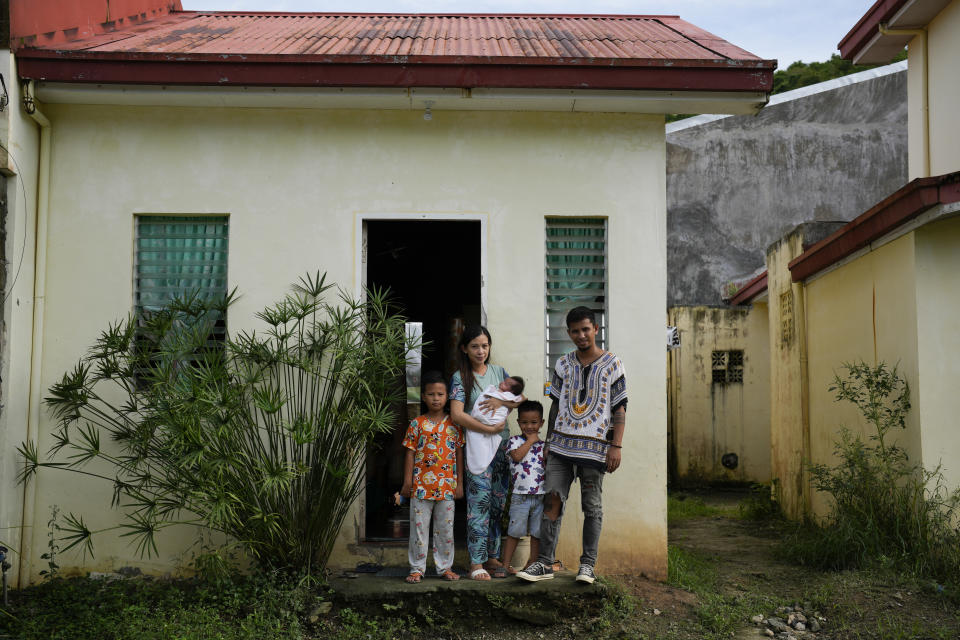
(499, 572)
(450, 575)
(479, 574)
(414, 577)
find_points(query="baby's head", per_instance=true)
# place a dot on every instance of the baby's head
(513, 384)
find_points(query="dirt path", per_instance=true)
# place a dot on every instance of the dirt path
(752, 578)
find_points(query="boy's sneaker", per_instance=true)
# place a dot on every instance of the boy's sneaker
(536, 572)
(586, 574)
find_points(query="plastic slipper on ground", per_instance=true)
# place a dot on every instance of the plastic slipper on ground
(479, 574)
(450, 575)
(414, 577)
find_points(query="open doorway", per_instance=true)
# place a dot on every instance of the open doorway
(433, 271)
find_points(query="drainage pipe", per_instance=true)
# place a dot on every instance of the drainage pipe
(36, 339)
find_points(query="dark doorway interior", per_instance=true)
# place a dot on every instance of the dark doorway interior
(432, 269)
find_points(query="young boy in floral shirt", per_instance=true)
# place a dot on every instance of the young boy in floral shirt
(527, 469)
(432, 479)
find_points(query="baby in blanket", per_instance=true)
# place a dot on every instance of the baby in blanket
(481, 448)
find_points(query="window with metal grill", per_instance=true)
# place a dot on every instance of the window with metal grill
(576, 275)
(177, 257)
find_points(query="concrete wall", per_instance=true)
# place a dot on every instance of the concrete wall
(294, 183)
(935, 397)
(18, 300)
(943, 34)
(710, 418)
(737, 184)
(864, 310)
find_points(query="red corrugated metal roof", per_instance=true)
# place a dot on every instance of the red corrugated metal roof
(460, 50)
(465, 35)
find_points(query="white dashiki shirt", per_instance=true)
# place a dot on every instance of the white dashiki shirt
(586, 396)
(528, 473)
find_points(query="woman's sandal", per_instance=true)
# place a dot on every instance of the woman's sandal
(479, 574)
(499, 572)
(512, 571)
(450, 575)
(414, 577)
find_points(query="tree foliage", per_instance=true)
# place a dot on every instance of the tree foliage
(261, 436)
(801, 74)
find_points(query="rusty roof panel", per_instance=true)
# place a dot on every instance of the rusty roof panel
(463, 36)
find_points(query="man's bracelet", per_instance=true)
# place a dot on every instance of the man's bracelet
(618, 446)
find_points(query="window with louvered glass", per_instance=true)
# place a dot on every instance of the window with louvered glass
(576, 275)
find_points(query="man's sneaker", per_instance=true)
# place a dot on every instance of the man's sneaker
(536, 572)
(586, 574)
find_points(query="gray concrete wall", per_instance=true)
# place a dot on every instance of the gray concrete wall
(737, 184)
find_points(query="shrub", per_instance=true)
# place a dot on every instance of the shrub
(884, 508)
(260, 436)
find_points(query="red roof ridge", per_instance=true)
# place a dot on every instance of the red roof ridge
(363, 14)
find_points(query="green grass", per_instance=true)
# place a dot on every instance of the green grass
(720, 614)
(245, 608)
(682, 506)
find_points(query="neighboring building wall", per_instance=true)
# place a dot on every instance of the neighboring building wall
(710, 418)
(790, 443)
(864, 310)
(936, 398)
(294, 182)
(943, 34)
(20, 195)
(737, 184)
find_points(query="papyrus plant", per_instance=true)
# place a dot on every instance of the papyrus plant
(260, 436)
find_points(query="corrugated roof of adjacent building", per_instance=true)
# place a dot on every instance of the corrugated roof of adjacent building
(663, 43)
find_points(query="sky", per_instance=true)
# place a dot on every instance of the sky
(785, 30)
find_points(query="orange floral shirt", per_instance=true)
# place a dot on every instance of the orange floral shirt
(434, 446)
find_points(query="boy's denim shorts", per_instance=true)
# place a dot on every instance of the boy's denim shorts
(525, 514)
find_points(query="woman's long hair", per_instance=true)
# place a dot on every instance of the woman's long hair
(466, 370)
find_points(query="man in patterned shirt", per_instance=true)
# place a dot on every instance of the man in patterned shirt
(584, 440)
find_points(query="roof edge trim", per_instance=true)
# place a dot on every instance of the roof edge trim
(903, 205)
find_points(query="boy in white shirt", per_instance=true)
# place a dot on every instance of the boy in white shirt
(527, 469)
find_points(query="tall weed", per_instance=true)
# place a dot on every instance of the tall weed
(885, 508)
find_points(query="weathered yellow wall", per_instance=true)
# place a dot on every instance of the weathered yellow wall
(293, 183)
(936, 401)
(710, 419)
(944, 49)
(788, 434)
(864, 310)
(22, 141)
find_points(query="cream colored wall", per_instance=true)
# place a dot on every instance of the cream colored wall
(789, 434)
(864, 310)
(943, 45)
(944, 51)
(294, 183)
(710, 419)
(22, 142)
(937, 403)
